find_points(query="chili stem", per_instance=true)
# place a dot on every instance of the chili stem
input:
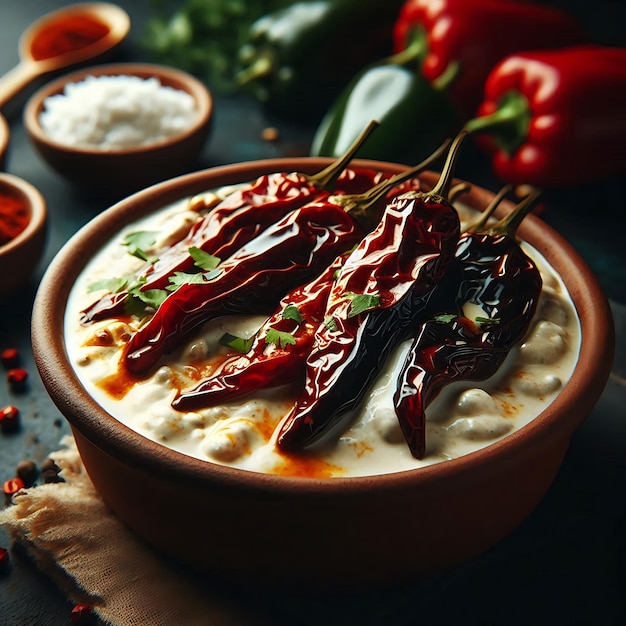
(263, 66)
(508, 124)
(326, 178)
(442, 188)
(481, 222)
(360, 203)
(509, 224)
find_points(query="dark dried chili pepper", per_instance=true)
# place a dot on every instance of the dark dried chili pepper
(278, 352)
(383, 285)
(492, 272)
(293, 250)
(235, 221)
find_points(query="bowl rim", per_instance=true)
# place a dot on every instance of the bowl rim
(5, 136)
(128, 446)
(184, 81)
(37, 206)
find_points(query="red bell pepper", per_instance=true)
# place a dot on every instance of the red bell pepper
(464, 39)
(556, 118)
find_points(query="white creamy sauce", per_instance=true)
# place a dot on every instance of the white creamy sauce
(464, 418)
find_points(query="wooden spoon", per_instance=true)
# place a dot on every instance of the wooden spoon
(115, 19)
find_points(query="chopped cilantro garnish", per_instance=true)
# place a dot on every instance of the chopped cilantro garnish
(182, 278)
(177, 279)
(113, 285)
(481, 321)
(236, 343)
(361, 302)
(139, 243)
(330, 323)
(279, 338)
(291, 312)
(202, 259)
(445, 317)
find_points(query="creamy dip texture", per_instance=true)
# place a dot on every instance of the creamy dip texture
(464, 418)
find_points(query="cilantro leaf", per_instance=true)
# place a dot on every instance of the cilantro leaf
(182, 278)
(139, 242)
(482, 321)
(361, 302)
(279, 338)
(330, 323)
(113, 285)
(445, 317)
(151, 297)
(236, 343)
(202, 259)
(291, 312)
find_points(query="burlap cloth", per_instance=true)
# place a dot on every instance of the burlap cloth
(94, 558)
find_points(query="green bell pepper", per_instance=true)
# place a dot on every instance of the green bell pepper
(296, 60)
(394, 93)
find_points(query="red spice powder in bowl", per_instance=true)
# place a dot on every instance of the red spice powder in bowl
(23, 216)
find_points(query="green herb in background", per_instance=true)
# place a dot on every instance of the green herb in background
(203, 36)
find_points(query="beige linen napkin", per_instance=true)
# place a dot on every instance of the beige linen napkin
(94, 558)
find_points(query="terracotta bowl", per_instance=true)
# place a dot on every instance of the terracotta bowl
(5, 135)
(20, 255)
(360, 531)
(123, 169)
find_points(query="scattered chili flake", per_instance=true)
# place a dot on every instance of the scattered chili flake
(270, 134)
(80, 613)
(4, 560)
(10, 358)
(11, 487)
(17, 378)
(9, 419)
(27, 471)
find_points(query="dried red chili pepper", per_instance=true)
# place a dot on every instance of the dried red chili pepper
(466, 40)
(382, 286)
(493, 272)
(239, 218)
(269, 363)
(253, 280)
(555, 118)
(9, 419)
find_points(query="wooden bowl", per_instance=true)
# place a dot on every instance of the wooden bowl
(20, 255)
(123, 170)
(5, 135)
(292, 530)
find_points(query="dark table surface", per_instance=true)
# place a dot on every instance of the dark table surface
(566, 564)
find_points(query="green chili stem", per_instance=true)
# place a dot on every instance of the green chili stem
(442, 188)
(414, 53)
(508, 124)
(481, 222)
(263, 66)
(509, 225)
(326, 178)
(360, 203)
